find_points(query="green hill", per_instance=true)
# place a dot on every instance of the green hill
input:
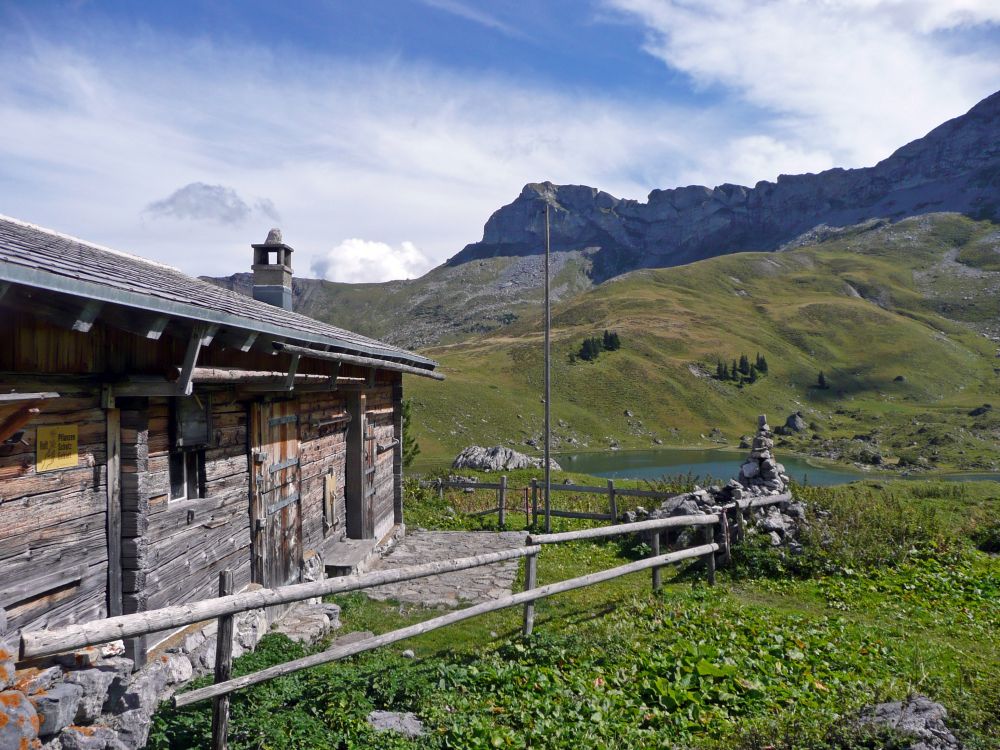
(903, 319)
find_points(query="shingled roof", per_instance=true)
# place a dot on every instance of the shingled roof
(41, 258)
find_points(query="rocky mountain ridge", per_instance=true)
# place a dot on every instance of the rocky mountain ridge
(596, 236)
(954, 168)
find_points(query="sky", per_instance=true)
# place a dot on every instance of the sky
(381, 135)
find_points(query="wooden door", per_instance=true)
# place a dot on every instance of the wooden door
(275, 520)
(360, 466)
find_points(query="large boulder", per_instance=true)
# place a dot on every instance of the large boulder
(796, 423)
(498, 458)
(917, 716)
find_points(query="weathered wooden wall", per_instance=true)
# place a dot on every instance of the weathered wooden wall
(382, 424)
(54, 541)
(53, 547)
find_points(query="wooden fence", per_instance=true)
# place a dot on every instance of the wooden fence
(50, 642)
(536, 489)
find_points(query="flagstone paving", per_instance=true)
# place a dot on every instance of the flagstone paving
(450, 589)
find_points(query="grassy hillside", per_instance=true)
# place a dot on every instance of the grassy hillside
(897, 317)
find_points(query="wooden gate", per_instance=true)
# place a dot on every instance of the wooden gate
(274, 509)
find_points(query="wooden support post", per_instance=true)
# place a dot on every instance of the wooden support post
(530, 581)
(84, 319)
(223, 667)
(114, 524)
(292, 369)
(740, 531)
(612, 502)
(710, 557)
(534, 502)
(440, 484)
(657, 582)
(502, 501)
(548, 509)
(724, 526)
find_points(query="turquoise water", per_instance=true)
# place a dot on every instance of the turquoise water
(717, 464)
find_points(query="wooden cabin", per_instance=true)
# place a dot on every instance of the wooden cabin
(156, 429)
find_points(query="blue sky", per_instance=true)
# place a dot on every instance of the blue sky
(380, 135)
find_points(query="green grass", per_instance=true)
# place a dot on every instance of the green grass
(780, 654)
(897, 330)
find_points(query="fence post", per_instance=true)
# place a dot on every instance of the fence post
(548, 509)
(530, 581)
(657, 583)
(502, 500)
(223, 667)
(440, 484)
(740, 531)
(612, 502)
(527, 508)
(710, 557)
(726, 545)
(534, 501)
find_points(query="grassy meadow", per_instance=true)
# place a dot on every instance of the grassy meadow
(897, 590)
(895, 322)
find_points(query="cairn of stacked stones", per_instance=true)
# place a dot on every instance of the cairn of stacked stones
(761, 474)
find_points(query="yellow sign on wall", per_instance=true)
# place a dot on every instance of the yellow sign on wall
(56, 448)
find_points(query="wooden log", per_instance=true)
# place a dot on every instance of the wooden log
(581, 514)
(740, 530)
(223, 667)
(624, 528)
(612, 502)
(341, 652)
(724, 528)
(657, 582)
(502, 501)
(530, 581)
(45, 643)
(710, 557)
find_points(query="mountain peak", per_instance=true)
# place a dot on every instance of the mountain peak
(955, 167)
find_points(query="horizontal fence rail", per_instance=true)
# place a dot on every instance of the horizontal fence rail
(709, 519)
(531, 595)
(48, 642)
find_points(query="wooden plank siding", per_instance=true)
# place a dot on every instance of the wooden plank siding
(54, 548)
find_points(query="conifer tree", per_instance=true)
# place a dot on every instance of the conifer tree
(616, 342)
(734, 373)
(761, 364)
(744, 364)
(411, 448)
(752, 376)
(608, 344)
(720, 372)
(821, 381)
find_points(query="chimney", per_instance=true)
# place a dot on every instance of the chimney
(272, 271)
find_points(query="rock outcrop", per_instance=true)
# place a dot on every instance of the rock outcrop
(952, 168)
(498, 458)
(760, 476)
(917, 717)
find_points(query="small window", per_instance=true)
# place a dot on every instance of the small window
(187, 474)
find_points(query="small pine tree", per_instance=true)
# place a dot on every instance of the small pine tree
(744, 365)
(411, 449)
(734, 372)
(720, 371)
(608, 346)
(821, 381)
(752, 375)
(762, 364)
(616, 342)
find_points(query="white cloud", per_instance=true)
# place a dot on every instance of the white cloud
(355, 260)
(200, 202)
(854, 78)
(469, 13)
(98, 128)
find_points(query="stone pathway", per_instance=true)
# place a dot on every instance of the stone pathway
(449, 589)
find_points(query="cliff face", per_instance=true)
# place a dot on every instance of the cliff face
(955, 167)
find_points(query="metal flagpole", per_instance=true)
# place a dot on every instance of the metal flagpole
(548, 381)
